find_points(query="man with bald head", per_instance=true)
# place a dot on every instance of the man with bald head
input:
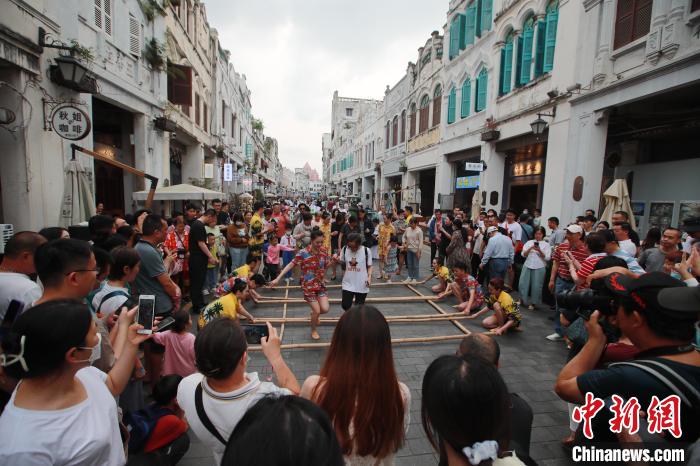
(17, 265)
(486, 348)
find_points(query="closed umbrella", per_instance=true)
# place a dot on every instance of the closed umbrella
(78, 203)
(476, 206)
(617, 198)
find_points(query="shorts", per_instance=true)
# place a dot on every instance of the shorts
(311, 296)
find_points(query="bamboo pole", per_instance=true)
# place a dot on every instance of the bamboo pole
(403, 318)
(296, 287)
(284, 316)
(441, 311)
(383, 299)
(395, 341)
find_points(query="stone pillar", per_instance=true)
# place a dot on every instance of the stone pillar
(444, 179)
(602, 64)
(193, 163)
(492, 178)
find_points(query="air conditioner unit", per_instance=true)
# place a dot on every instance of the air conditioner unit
(6, 232)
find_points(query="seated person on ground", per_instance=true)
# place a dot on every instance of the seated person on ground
(443, 275)
(229, 305)
(506, 312)
(466, 289)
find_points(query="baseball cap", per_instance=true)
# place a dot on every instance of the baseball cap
(691, 224)
(490, 230)
(646, 292)
(573, 228)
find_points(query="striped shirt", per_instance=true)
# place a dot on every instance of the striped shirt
(580, 254)
(587, 267)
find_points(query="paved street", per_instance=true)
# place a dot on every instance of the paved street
(529, 364)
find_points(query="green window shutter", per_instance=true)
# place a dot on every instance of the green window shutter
(486, 14)
(481, 86)
(470, 24)
(550, 40)
(451, 106)
(518, 61)
(526, 61)
(466, 97)
(478, 18)
(462, 32)
(539, 48)
(506, 67)
(454, 39)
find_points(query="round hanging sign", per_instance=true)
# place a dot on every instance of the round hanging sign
(70, 122)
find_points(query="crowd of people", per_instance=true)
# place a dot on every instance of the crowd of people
(81, 382)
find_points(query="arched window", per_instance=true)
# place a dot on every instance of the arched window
(454, 37)
(478, 19)
(481, 87)
(395, 131)
(388, 135)
(437, 105)
(550, 39)
(470, 23)
(506, 65)
(486, 15)
(403, 126)
(452, 106)
(424, 112)
(525, 43)
(413, 120)
(466, 97)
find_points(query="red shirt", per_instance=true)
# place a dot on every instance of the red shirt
(281, 220)
(587, 267)
(313, 268)
(580, 254)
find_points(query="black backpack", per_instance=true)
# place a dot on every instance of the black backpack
(343, 264)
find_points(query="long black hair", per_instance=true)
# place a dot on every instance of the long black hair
(464, 401)
(49, 330)
(300, 431)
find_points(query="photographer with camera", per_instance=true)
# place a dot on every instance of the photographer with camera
(657, 313)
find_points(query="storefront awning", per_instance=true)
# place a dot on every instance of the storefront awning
(180, 192)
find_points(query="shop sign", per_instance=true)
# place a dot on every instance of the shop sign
(228, 172)
(208, 170)
(467, 182)
(70, 122)
(529, 168)
(474, 167)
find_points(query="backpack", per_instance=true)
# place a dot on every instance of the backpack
(141, 423)
(343, 265)
(129, 303)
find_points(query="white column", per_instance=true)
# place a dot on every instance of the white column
(444, 179)
(193, 163)
(492, 178)
(602, 64)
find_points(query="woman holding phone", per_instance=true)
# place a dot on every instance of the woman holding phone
(63, 410)
(313, 262)
(537, 253)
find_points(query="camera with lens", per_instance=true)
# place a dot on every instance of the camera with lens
(181, 253)
(584, 302)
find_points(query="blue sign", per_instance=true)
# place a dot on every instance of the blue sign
(467, 182)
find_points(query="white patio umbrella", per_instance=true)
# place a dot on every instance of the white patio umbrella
(476, 205)
(617, 198)
(78, 203)
(180, 192)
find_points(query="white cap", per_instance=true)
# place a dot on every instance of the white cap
(490, 230)
(573, 228)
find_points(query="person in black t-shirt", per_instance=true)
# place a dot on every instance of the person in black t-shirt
(657, 313)
(199, 258)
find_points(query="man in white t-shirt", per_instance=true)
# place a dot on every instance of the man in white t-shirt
(218, 396)
(15, 269)
(357, 277)
(515, 231)
(622, 235)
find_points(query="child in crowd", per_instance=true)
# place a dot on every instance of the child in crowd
(272, 257)
(179, 346)
(254, 281)
(250, 268)
(506, 312)
(212, 269)
(442, 273)
(466, 289)
(391, 262)
(375, 236)
(289, 241)
(228, 306)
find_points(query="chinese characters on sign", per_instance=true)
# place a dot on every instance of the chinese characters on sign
(467, 182)
(474, 167)
(228, 172)
(70, 122)
(662, 415)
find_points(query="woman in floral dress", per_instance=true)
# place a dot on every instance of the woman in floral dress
(386, 230)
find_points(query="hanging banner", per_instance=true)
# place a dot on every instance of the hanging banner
(208, 170)
(70, 122)
(228, 172)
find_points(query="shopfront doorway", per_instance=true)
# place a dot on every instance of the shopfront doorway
(426, 184)
(524, 196)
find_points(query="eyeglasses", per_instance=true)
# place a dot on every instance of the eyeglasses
(96, 270)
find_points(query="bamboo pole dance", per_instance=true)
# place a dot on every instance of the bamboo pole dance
(382, 299)
(394, 341)
(297, 287)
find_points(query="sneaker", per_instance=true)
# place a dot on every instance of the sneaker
(407, 281)
(554, 337)
(414, 282)
(531, 307)
(205, 292)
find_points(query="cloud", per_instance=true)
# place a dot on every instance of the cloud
(296, 53)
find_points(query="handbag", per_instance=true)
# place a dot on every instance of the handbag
(202, 414)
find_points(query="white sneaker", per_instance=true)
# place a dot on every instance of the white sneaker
(407, 281)
(205, 292)
(414, 281)
(554, 337)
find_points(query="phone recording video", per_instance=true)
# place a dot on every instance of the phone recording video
(255, 332)
(147, 305)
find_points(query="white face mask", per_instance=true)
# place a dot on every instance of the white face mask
(96, 351)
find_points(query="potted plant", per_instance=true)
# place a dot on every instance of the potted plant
(491, 133)
(403, 168)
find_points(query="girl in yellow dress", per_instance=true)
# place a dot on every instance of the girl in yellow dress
(386, 231)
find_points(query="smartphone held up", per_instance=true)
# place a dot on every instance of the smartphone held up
(146, 313)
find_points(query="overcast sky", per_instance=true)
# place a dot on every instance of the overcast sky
(295, 53)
